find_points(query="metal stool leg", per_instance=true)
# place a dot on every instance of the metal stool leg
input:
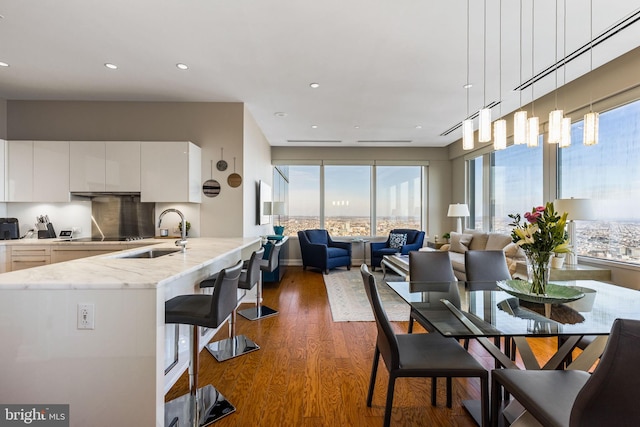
(233, 346)
(259, 311)
(200, 407)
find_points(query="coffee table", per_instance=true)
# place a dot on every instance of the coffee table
(399, 264)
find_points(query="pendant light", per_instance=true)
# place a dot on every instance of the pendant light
(533, 123)
(591, 119)
(467, 124)
(565, 134)
(520, 116)
(484, 115)
(500, 125)
(555, 116)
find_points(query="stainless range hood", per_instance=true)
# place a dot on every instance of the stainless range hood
(118, 215)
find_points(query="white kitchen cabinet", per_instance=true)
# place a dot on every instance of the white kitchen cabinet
(87, 166)
(170, 172)
(37, 171)
(50, 171)
(122, 166)
(105, 166)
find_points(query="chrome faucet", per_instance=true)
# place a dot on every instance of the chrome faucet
(183, 240)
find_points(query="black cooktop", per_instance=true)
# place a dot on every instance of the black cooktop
(106, 239)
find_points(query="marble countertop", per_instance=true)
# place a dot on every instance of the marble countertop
(111, 271)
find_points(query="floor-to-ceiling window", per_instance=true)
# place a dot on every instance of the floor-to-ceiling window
(609, 175)
(398, 198)
(516, 183)
(347, 200)
(302, 199)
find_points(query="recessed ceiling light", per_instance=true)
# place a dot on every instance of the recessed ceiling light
(467, 86)
(418, 127)
(111, 66)
(3, 64)
(356, 127)
(280, 114)
(314, 126)
(314, 85)
(182, 66)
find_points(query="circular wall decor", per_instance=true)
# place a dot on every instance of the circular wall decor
(222, 164)
(211, 188)
(234, 180)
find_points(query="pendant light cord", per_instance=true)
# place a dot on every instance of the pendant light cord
(484, 72)
(468, 54)
(532, 57)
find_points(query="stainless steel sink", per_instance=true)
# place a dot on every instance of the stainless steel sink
(152, 253)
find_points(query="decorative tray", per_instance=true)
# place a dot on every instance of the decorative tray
(556, 294)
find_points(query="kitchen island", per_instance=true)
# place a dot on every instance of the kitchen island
(113, 374)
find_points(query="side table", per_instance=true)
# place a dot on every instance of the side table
(434, 245)
(364, 247)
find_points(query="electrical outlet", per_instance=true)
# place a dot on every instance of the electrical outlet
(86, 316)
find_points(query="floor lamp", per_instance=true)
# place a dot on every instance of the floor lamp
(458, 210)
(576, 209)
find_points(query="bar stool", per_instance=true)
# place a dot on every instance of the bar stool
(204, 406)
(236, 345)
(266, 265)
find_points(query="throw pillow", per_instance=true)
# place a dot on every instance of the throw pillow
(397, 241)
(460, 242)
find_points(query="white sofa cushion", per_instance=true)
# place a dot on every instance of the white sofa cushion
(460, 242)
(479, 241)
(497, 241)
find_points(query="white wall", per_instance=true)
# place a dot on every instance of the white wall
(256, 167)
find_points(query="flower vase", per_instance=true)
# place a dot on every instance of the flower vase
(538, 271)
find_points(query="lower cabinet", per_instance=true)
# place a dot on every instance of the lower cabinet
(64, 253)
(30, 256)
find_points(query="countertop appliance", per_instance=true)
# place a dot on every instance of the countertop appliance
(9, 229)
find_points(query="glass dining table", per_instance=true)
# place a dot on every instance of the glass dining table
(483, 310)
(486, 313)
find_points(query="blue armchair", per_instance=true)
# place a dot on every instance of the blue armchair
(415, 239)
(319, 251)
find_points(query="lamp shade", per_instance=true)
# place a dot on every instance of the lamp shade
(277, 208)
(458, 210)
(577, 209)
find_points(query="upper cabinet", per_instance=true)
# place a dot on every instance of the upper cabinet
(37, 171)
(170, 172)
(112, 166)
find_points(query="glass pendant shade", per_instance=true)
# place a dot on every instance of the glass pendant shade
(484, 128)
(500, 134)
(591, 128)
(555, 126)
(520, 127)
(533, 130)
(565, 134)
(467, 135)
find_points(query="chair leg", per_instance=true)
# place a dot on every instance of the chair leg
(389, 404)
(496, 401)
(484, 399)
(410, 328)
(372, 381)
(449, 397)
(434, 391)
(234, 345)
(259, 311)
(200, 407)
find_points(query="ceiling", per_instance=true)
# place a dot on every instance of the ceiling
(390, 73)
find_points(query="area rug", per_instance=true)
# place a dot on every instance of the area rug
(348, 299)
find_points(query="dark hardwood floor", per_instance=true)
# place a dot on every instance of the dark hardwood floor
(311, 371)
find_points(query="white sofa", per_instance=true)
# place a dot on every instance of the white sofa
(479, 240)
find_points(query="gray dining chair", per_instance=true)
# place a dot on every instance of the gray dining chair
(484, 268)
(428, 266)
(571, 398)
(418, 355)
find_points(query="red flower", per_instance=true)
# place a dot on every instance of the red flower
(532, 217)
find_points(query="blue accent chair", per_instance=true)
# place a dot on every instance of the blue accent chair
(319, 251)
(415, 240)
